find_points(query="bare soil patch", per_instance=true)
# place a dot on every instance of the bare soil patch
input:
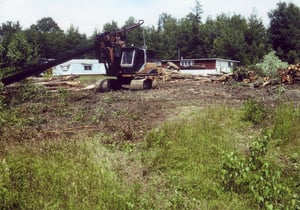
(127, 115)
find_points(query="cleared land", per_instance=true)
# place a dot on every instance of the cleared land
(159, 149)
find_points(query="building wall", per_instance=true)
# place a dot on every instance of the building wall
(79, 67)
(199, 67)
(209, 64)
(224, 66)
(197, 64)
(199, 71)
(203, 66)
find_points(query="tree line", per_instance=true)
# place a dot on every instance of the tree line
(226, 36)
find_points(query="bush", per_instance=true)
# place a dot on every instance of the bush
(271, 63)
(254, 111)
(29, 92)
(257, 179)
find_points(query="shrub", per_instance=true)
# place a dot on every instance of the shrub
(254, 111)
(29, 92)
(257, 179)
(271, 63)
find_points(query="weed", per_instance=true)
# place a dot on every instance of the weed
(127, 148)
(100, 115)
(79, 115)
(29, 92)
(109, 98)
(254, 111)
(286, 119)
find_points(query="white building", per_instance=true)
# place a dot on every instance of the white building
(204, 66)
(79, 67)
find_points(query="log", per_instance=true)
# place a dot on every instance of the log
(60, 83)
(290, 74)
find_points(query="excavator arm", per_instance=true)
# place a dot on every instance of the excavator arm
(37, 69)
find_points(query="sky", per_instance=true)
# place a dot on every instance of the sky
(91, 15)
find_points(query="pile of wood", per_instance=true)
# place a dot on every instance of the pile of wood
(290, 75)
(172, 73)
(252, 76)
(166, 74)
(70, 82)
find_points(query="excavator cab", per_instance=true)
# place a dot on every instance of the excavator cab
(132, 60)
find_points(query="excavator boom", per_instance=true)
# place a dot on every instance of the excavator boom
(37, 69)
(99, 47)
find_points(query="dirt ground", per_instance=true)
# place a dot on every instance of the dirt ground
(127, 115)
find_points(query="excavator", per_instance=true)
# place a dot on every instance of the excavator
(124, 65)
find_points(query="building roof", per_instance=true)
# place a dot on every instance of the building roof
(82, 61)
(203, 59)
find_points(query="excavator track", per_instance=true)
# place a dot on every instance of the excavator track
(141, 84)
(106, 85)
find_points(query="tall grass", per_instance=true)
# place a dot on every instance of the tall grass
(193, 155)
(58, 175)
(189, 155)
(178, 166)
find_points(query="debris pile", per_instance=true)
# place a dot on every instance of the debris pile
(172, 73)
(290, 75)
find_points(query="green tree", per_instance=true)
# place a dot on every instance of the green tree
(20, 52)
(209, 33)
(256, 40)
(196, 40)
(284, 31)
(167, 31)
(230, 42)
(17, 53)
(49, 37)
(7, 30)
(52, 45)
(108, 27)
(1, 53)
(74, 40)
(134, 37)
(47, 25)
(184, 46)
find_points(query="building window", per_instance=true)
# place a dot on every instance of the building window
(186, 63)
(88, 67)
(65, 67)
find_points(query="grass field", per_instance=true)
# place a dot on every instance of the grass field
(216, 157)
